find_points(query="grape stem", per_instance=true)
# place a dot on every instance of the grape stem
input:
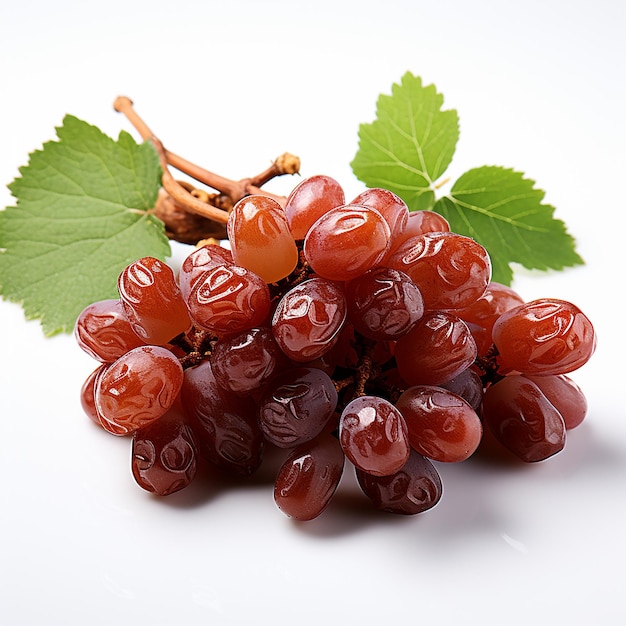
(234, 190)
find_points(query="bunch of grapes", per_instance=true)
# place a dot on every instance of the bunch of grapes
(340, 333)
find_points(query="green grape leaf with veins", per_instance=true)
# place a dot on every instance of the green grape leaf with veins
(504, 212)
(82, 214)
(410, 144)
(407, 150)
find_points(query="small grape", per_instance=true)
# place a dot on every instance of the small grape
(309, 318)
(545, 336)
(152, 301)
(522, 419)
(256, 225)
(373, 435)
(164, 456)
(309, 200)
(346, 242)
(438, 348)
(451, 271)
(138, 388)
(441, 425)
(246, 361)
(104, 332)
(383, 303)
(228, 299)
(416, 487)
(296, 406)
(309, 477)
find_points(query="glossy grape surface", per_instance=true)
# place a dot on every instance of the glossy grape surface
(439, 347)
(103, 331)
(416, 487)
(308, 319)
(152, 301)
(138, 388)
(225, 423)
(309, 200)
(203, 258)
(383, 303)
(450, 270)
(522, 419)
(483, 313)
(244, 362)
(546, 336)
(346, 242)
(393, 209)
(227, 299)
(373, 435)
(297, 406)
(309, 477)
(164, 455)
(258, 224)
(468, 385)
(565, 395)
(441, 425)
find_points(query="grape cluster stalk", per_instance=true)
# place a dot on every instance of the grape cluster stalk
(340, 334)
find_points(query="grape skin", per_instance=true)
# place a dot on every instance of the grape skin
(546, 336)
(416, 487)
(373, 435)
(523, 420)
(347, 241)
(441, 425)
(257, 224)
(309, 477)
(138, 388)
(296, 406)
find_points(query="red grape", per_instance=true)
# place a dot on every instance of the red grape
(309, 477)
(439, 347)
(373, 435)
(347, 241)
(414, 488)
(545, 336)
(522, 419)
(103, 331)
(309, 318)
(152, 301)
(441, 425)
(138, 388)
(451, 271)
(258, 224)
(307, 202)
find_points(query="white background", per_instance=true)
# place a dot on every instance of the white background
(539, 86)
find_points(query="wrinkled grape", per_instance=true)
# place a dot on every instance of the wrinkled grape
(373, 435)
(138, 388)
(258, 224)
(308, 319)
(296, 406)
(416, 487)
(545, 336)
(152, 301)
(309, 477)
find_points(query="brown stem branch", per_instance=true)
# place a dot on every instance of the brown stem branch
(235, 190)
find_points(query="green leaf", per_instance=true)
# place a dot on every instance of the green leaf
(81, 216)
(504, 212)
(409, 145)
